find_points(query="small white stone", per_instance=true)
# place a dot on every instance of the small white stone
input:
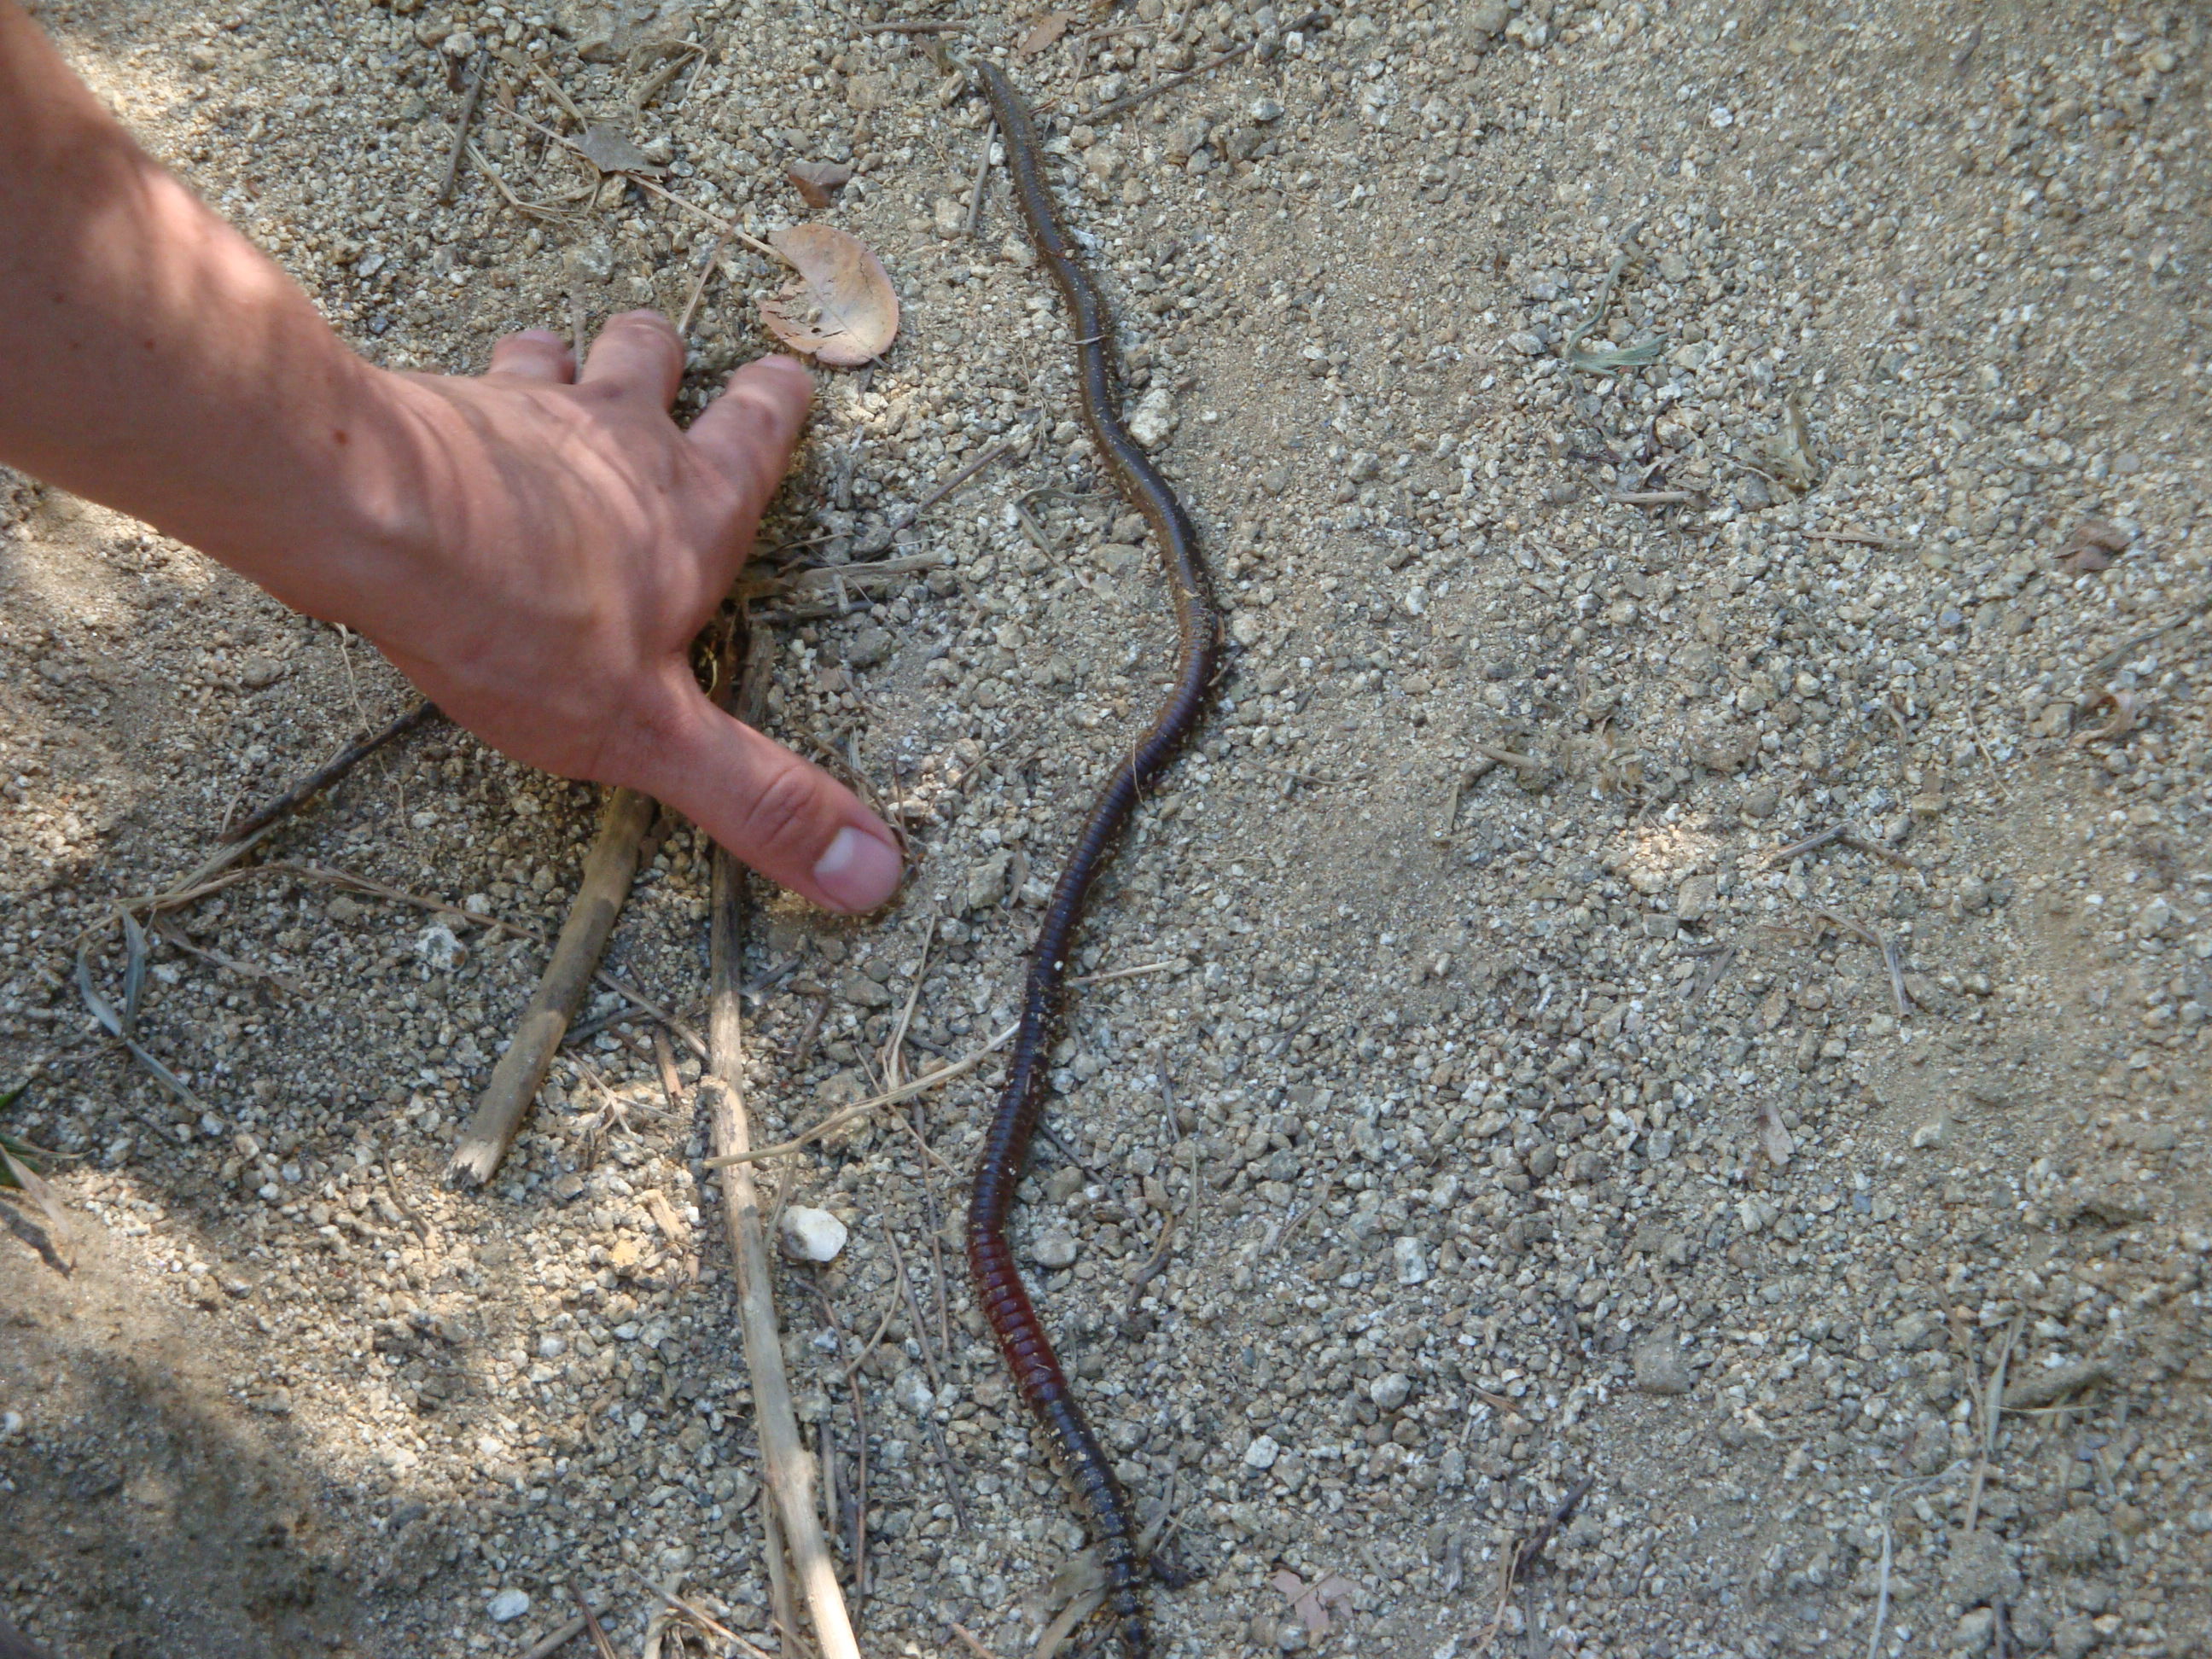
(440, 948)
(912, 1393)
(1390, 1391)
(1411, 1259)
(507, 1606)
(812, 1235)
(1263, 1453)
(1153, 418)
(551, 1347)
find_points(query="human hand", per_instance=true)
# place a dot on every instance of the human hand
(556, 542)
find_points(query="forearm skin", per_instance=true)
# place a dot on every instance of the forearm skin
(152, 359)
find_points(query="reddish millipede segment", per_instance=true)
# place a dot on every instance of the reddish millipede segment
(1022, 1338)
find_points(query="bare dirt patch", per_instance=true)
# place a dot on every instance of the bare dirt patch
(1525, 1108)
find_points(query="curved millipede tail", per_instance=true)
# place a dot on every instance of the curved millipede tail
(1028, 1352)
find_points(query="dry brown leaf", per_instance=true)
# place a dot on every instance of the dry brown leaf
(818, 182)
(1311, 1603)
(1046, 32)
(2127, 714)
(841, 309)
(2095, 544)
(1774, 1135)
(610, 152)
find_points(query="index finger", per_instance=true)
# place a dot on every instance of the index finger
(749, 431)
(638, 351)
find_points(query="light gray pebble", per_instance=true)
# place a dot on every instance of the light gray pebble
(987, 881)
(912, 1391)
(1411, 1259)
(1660, 1365)
(1054, 1249)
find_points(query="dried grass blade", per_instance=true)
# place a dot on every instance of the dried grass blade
(33, 1186)
(112, 1022)
(94, 999)
(134, 970)
(1057, 1632)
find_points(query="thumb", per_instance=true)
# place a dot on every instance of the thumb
(785, 817)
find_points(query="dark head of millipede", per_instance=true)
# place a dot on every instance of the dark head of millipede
(1021, 1334)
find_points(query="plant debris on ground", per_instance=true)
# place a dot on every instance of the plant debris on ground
(1690, 929)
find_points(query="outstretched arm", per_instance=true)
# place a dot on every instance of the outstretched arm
(534, 548)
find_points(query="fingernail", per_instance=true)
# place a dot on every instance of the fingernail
(859, 871)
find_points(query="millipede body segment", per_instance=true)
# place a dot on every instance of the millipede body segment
(1022, 1338)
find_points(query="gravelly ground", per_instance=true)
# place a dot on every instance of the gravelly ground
(1520, 1114)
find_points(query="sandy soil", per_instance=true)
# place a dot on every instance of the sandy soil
(1528, 1098)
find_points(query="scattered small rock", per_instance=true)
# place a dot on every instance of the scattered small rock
(1660, 1365)
(1054, 1249)
(812, 1235)
(1153, 422)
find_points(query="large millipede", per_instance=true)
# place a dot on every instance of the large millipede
(1021, 1334)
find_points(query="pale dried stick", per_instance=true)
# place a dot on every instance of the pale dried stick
(913, 1307)
(790, 1472)
(697, 1614)
(781, 1607)
(608, 868)
(1137, 972)
(982, 178)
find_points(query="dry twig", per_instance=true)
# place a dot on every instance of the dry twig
(790, 1477)
(969, 1640)
(1526, 1556)
(697, 1614)
(591, 1622)
(328, 773)
(555, 1639)
(461, 130)
(1897, 991)
(1834, 832)
(707, 273)
(1990, 1409)
(997, 453)
(1145, 95)
(515, 1082)
(982, 178)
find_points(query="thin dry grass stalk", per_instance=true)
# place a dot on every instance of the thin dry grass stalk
(859, 1108)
